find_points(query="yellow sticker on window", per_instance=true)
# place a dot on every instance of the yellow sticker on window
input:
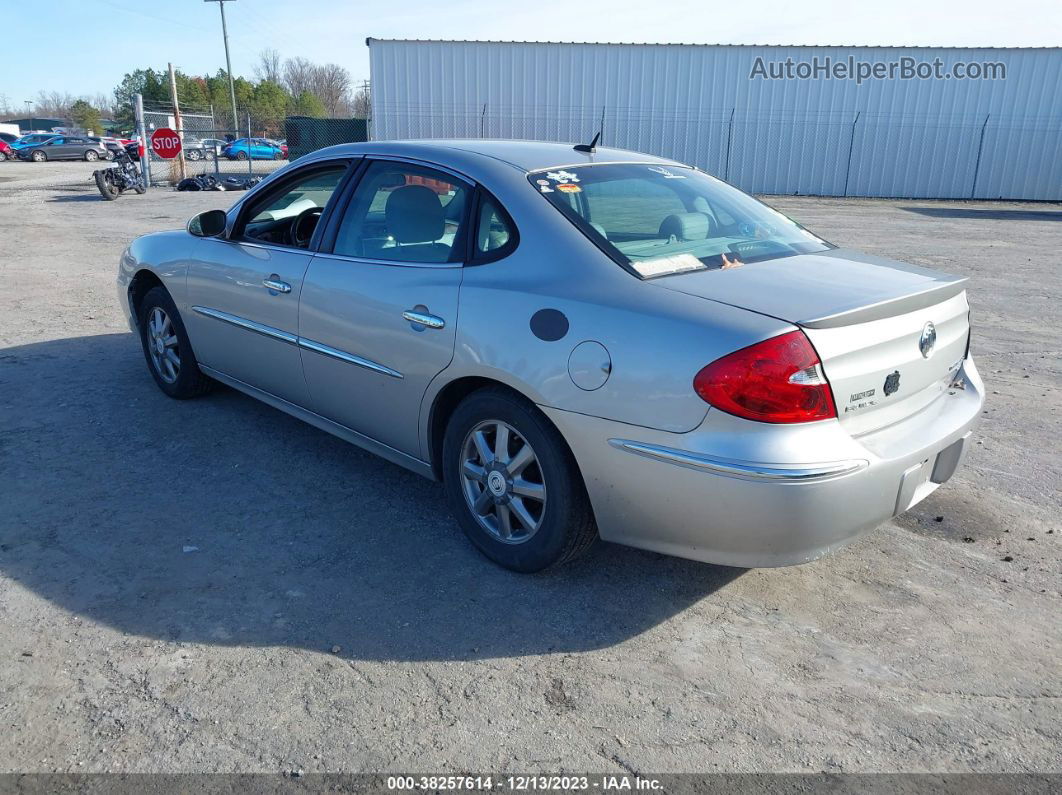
(568, 188)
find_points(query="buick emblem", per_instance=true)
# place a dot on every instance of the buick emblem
(928, 340)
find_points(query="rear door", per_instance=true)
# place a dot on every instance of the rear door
(244, 290)
(378, 313)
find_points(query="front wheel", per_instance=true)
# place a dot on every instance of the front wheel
(38, 156)
(108, 190)
(167, 349)
(3, 156)
(513, 484)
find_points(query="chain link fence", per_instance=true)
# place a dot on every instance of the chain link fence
(258, 146)
(809, 153)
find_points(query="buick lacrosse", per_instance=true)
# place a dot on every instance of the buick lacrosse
(577, 341)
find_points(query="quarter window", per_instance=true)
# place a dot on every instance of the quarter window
(494, 230)
(405, 213)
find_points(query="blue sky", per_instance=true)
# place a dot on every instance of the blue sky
(66, 47)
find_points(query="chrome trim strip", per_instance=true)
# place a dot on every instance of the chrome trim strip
(391, 262)
(349, 358)
(249, 325)
(776, 473)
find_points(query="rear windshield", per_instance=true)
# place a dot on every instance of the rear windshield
(655, 220)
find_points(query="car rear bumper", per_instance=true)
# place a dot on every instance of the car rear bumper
(748, 494)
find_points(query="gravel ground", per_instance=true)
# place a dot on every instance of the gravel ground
(213, 586)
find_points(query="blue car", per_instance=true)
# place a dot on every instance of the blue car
(32, 140)
(254, 149)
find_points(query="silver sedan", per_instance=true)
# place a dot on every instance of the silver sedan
(577, 342)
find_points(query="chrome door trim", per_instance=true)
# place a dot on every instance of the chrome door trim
(746, 470)
(249, 325)
(392, 262)
(349, 358)
(292, 339)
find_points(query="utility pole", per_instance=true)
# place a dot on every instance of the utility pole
(177, 121)
(228, 62)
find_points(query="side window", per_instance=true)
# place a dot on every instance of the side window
(494, 230)
(404, 213)
(635, 206)
(289, 216)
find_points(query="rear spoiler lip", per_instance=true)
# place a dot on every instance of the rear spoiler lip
(941, 291)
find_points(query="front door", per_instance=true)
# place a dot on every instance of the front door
(379, 310)
(243, 291)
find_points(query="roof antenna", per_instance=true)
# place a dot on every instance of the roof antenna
(592, 147)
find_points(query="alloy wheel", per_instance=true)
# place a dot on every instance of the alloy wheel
(502, 482)
(162, 345)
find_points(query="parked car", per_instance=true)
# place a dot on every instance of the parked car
(8, 138)
(575, 341)
(64, 147)
(255, 149)
(6, 152)
(195, 149)
(30, 140)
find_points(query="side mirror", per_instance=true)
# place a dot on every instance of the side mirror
(209, 224)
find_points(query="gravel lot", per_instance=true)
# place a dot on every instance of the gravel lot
(174, 576)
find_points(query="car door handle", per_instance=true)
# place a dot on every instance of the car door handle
(423, 319)
(277, 285)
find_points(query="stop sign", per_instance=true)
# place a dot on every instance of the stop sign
(165, 143)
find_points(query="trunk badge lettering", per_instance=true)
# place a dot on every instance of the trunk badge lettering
(928, 340)
(892, 383)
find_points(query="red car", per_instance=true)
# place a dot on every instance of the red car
(6, 153)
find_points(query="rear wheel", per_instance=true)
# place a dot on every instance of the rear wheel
(166, 348)
(91, 156)
(241, 155)
(194, 154)
(513, 484)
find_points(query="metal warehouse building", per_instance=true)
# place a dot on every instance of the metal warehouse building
(835, 121)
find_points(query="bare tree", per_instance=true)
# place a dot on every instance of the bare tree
(299, 76)
(54, 104)
(270, 66)
(331, 83)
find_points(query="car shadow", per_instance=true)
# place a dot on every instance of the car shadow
(987, 213)
(221, 520)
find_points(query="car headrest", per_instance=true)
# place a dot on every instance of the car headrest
(686, 226)
(414, 214)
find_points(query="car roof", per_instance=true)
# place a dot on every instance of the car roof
(524, 155)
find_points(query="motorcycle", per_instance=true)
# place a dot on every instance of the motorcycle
(120, 177)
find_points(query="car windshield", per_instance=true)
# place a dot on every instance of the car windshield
(657, 220)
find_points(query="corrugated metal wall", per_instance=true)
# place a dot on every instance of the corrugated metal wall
(916, 138)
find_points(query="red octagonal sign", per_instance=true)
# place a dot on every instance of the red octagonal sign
(165, 143)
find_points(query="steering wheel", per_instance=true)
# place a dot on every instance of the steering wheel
(303, 225)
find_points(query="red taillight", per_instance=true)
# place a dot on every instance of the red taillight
(777, 380)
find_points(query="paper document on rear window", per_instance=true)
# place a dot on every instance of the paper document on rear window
(661, 266)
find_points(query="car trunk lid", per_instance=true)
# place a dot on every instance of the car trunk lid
(891, 336)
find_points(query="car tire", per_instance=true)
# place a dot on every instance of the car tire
(278, 155)
(38, 156)
(193, 155)
(514, 529)
(241, 155)
(91, 156)
(3, 156)
(158, 319)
